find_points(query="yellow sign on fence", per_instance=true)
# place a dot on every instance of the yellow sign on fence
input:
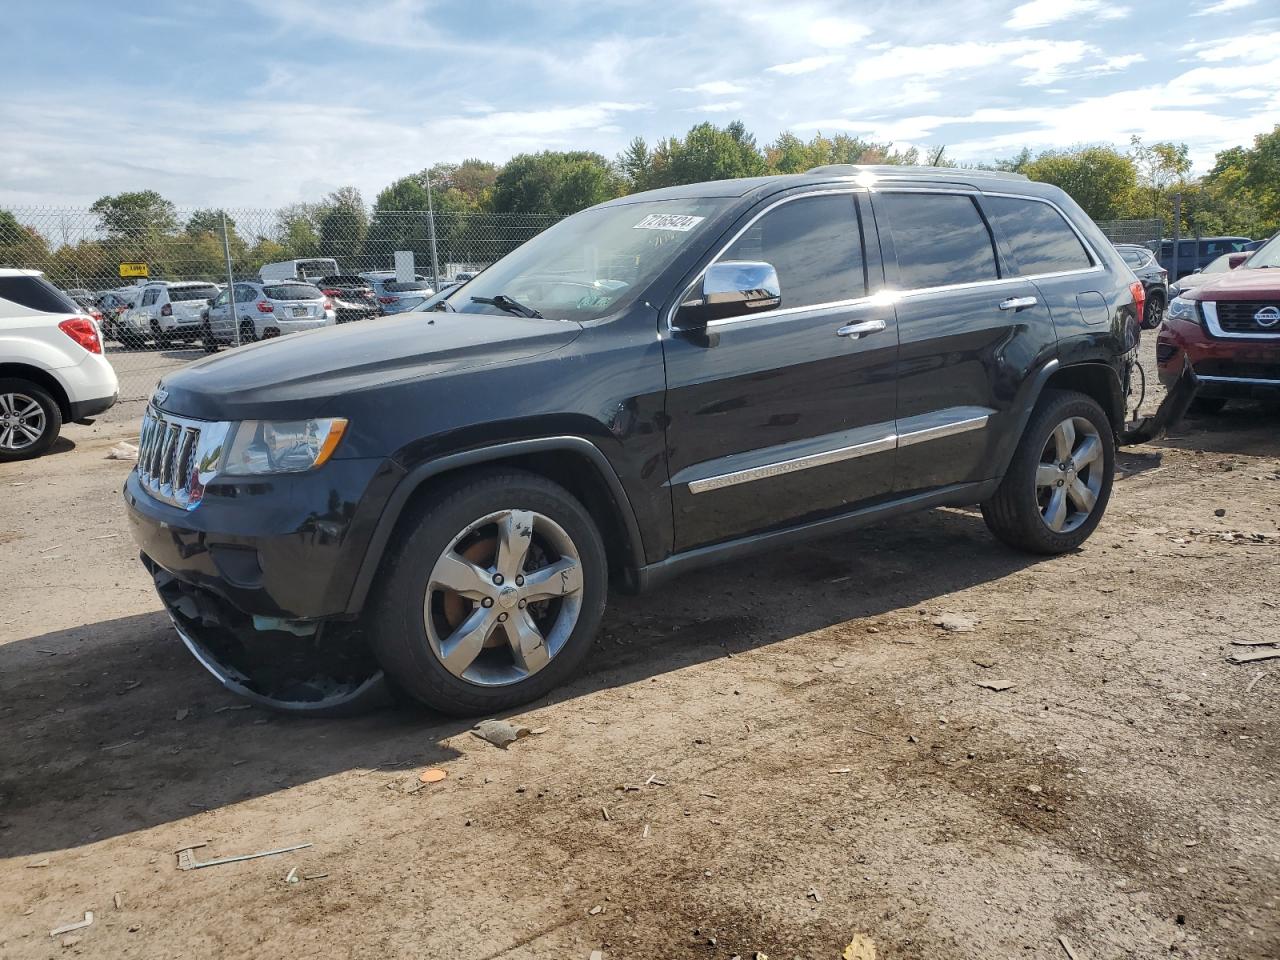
(133, 270)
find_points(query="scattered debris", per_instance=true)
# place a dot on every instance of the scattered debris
(1254, 682)
(644, 834)
(1254, 643)
(38, 863)
(291, 876)
(604, 811)
(597, 955)
(234, 706)
(123, 451)
(841, 770)
(539, 731)
(1024, 619)
(996, 685)
(314, 876)
(954, 623)
(1066, 945)
(432, 775)
(986, 663)
(500, 733)
(118, 900)
(182, 713)
(1220, 512)
(654, 781)
(861, 947)
(119, 746)
(1034, 788)
(814, 895)
(1253, 656)
(596, 910)
(187, 858)
(868, 733)
(79, 925)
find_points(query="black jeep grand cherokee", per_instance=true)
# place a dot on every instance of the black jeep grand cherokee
(656, 383)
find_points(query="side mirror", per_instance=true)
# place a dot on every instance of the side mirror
(1235, 259)
(209, 302)
(731, 288)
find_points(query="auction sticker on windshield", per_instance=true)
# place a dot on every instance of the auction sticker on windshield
(669, 221)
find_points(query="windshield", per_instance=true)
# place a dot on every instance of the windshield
(1267, 255)
(593, 263)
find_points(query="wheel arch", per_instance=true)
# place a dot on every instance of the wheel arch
(573, 462)
(41, 378)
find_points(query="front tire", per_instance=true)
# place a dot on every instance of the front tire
(1059, 481)
(491, 595)
(30, 420)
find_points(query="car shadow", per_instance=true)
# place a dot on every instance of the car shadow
(1249, 429)
(113, 727)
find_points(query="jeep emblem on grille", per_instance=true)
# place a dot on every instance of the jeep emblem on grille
(1267, 316)
(161, 395)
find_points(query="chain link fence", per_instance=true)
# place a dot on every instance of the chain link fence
(148, 274)
(1142, 232)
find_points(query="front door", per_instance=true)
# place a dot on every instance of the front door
(785, 416)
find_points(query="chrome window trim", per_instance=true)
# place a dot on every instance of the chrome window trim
(875, 299)
(966, 421)
(1210, 309)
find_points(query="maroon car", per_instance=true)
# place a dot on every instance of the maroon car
(1229, 330)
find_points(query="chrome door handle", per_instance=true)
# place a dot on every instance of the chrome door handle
(1017, 303)
(859, 330)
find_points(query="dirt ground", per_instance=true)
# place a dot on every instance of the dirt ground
(766, 758)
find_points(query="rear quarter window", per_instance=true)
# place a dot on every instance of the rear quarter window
(1041, 239)
(940, 239)
(36, 293)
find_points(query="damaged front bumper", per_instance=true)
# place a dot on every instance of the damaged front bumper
(313, 668)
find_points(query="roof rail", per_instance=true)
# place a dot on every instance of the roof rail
(892, 169)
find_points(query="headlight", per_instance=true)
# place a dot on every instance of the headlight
(1181, 309)
(282, 446)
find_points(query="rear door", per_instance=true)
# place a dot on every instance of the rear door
(967, 330)
(786, 416)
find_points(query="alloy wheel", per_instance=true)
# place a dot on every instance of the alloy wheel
(1069, 476)
(503, 598)
(22, 421)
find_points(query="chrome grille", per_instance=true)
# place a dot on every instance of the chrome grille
(177, 456)
(1238, 316)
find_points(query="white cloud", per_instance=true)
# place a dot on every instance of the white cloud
(1223, 6)
(835, 32)
(807, 65)
(1119, 63)
(1043, 60)
(714, 88)
(725, 106)
(1255, 46)
(1042, 13)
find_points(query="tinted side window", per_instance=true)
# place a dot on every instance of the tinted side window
(245, 293)
(815, 245)
(1186, 249)
(35, 293)
(1042, 241)
(941, 239)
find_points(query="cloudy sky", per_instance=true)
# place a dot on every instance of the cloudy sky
(249, 103)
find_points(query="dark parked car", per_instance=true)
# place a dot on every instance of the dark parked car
(1197, 253)
(352, 297)
(1155, 281)
(1228, 329)
(1228, 261)
(668, 379)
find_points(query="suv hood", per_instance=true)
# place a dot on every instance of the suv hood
(297, 376)
(1242, 283)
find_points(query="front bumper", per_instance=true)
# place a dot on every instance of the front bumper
(287, 546)
(1226, 369)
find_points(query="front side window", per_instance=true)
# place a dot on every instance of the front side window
(941, 239)
(221, 299)
(815, 245)
(1042, 240)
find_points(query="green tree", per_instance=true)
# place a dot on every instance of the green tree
(635, 164)
(21, 245)
(554, 182)
(1101, 179)
(298, 230)
(707, 152)
(343, 224)
(139, 215)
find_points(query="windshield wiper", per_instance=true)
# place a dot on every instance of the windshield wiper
(503, 302)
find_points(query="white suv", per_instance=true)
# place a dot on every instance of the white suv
(169, 310)
(51, 365)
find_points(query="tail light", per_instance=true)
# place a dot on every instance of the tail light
(264, 307)
(96, 314)
(328, 304)
(1139, 298)
(330, 292)
(388, 299)
(84, 332)
(166, 310)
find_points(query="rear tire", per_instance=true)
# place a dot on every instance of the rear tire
(207, 338)
(1154, 313)
(26, 407)
(247, 332)
(1040, 505)
(426, 635)
(1207, 406)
